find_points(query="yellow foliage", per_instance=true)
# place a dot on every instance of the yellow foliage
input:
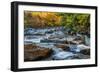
(42, 19)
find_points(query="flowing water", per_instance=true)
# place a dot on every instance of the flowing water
(49, 37)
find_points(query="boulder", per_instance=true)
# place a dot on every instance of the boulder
(30, 47)
(63, 46)
(84, 49)
(34, 53)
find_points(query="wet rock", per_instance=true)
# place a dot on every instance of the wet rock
(30, 47)
(49, 32)
(87, 40)
(70, 38)
(82, 56)
(56, 37)
(84, 38)
(33, 39)
(76, 42)
(28, 31)
(84, 49)
(78, 38)
(57, 34)
(30, 37)
(33, 53)
(63, 46)
(52, 41)
(27, 42)
(80, 48)
(63, 55)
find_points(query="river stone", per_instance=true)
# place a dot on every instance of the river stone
(63, 46)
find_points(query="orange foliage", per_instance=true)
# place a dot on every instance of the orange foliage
(41, 19)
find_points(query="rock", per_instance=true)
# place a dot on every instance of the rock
(87, 40)
(82, 56)
(49, 32)
(33, 31)
(27, 42)
(28, 31)
(76, 42)
(57, 34)
(63, 55)
(78, 38)
(30, 47)
(34, 39)
(72, 42)
(37, 54)
(33, 53)
(63, 46)
(84, 49)
(80, 49)
(52, 41)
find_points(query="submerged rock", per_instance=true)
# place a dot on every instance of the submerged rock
(74, 48)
